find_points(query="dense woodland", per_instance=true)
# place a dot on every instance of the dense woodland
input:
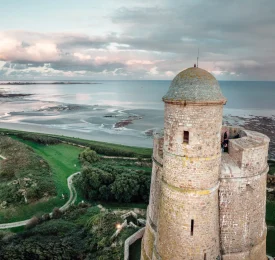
(105, 180)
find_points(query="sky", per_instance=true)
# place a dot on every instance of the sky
(133, 39)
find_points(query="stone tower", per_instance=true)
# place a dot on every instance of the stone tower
(204, 204)
(189, 208)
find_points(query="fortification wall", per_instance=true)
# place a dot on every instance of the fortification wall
(155, 194)
(192, 173)
(148, 241)
(158, 147)
(242, 197)
(188, 224)
(232, 131)
(257, 252)
(249, 152)
(130, 240)
(203, 124)
(175, 238)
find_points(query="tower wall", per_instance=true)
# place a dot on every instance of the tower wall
(189, 188)
(242, 197)
(153, 208)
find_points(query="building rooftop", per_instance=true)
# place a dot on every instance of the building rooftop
(194, 85)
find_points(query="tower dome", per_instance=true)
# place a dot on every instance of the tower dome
(194, 85)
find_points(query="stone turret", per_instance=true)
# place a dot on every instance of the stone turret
(188, 224)
(242, 196)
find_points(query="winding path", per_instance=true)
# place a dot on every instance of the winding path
(73, 193)
(72, 199)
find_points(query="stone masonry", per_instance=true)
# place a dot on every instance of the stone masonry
(205, 204)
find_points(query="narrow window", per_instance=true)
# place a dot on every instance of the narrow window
(204, 256)
(192, 226)
(185, 137)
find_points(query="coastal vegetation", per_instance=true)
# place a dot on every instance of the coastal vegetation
(101, 148)
(88, 156)
(111, 181)
(61, 160)
(82, 232)
(25, 177)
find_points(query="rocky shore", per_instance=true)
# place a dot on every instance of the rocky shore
(4, 95)
(125, 122)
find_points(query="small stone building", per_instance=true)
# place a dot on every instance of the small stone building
(205, 204)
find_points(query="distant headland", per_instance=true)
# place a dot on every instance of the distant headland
(48, 83)
(2, 95)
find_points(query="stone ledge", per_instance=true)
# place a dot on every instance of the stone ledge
(130, 240)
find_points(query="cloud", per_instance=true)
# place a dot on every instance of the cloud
(236, 41)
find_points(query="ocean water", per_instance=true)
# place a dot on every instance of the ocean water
(124, 112)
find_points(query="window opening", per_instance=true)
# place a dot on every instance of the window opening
(192, 227)
(185, 137)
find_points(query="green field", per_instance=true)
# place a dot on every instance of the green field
(63, 161)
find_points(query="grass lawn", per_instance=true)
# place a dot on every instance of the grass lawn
(63, 160)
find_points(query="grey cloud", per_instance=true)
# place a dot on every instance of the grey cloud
(86, 66)
(233, 36)
(224, 30)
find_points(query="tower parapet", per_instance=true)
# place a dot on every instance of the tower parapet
(242, 197)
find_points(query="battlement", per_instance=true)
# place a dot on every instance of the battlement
(248, 152)
(232, 131)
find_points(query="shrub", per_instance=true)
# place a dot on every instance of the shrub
(42, 139)
(57, 213)
(34, 221)
(88, 156)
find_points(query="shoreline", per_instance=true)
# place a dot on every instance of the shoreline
(94, 136)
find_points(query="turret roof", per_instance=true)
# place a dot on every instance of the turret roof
(194, 85)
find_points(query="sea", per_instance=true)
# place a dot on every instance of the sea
(122, 112)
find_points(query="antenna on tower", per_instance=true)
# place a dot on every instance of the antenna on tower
(198, 57)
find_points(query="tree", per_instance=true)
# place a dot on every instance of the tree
(88, 156)
(125, 187)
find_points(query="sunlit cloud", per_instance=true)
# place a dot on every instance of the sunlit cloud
(136, 40)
